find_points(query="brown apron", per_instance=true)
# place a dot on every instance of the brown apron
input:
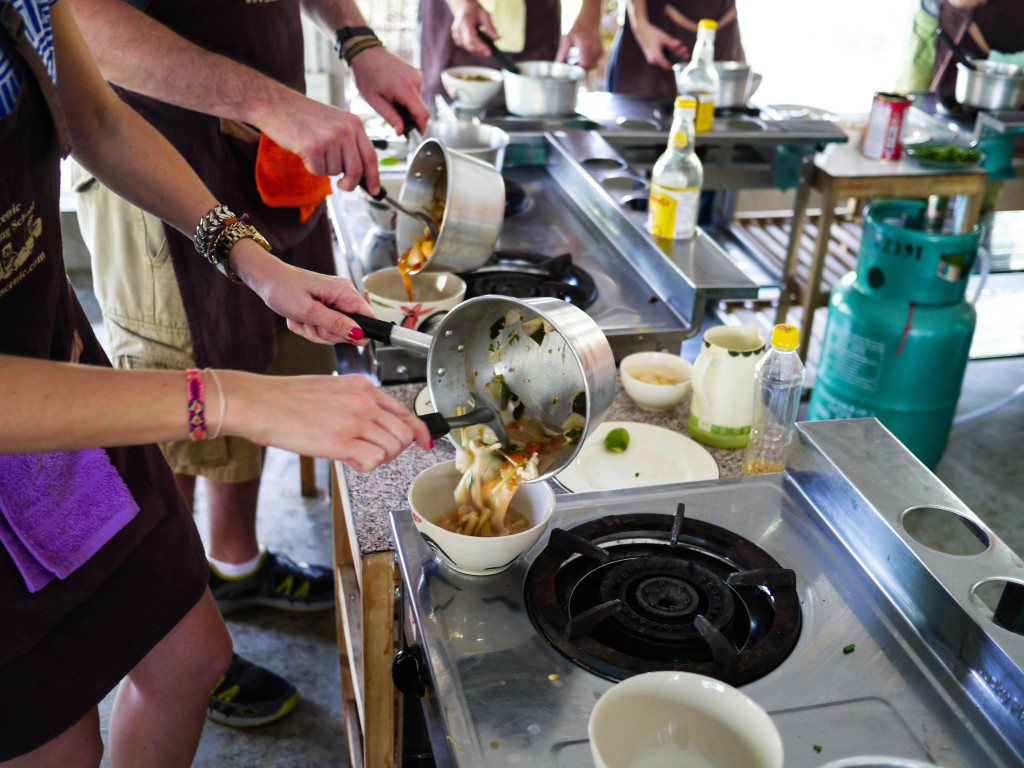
(53, 663)
(628, 70)
(1001, 23)
(438, 51)
(230, 325)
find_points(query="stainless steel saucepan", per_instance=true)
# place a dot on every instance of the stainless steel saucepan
(467, 196)
(558, 365)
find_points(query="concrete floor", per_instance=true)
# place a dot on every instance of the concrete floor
(982, 465)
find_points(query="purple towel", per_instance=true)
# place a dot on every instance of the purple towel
(58, 509)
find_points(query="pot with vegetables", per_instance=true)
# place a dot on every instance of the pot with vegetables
(543, 365)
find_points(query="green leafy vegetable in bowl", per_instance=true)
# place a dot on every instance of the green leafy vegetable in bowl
(945, 153)
(617, 440)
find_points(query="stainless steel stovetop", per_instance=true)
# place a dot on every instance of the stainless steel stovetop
(931, 676)
(649, 295)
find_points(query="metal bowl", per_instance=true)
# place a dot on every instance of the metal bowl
(484, 142)
(991, 85)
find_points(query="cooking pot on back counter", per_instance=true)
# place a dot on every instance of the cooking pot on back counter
(567, 369)
(543, 89)
(472, 193)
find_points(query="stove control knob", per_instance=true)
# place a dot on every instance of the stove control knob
(409, 671)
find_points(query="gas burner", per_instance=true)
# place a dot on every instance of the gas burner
(525, 275)
(745, 111)
(948, 105)
(515, 198)
(637, 593)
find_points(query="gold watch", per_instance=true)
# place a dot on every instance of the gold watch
(220, 254)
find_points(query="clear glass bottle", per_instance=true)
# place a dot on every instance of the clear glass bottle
(779, 379)
(700, 78)
(676, 179)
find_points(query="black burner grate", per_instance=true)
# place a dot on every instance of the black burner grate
(637, 593)
(524, 275)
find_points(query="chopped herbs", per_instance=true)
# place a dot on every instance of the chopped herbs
(519, 410)
(573, 435)
(636, 474)
(497, 326)
(817, 748)
(538, 335)
(849, 648)
(579, 403)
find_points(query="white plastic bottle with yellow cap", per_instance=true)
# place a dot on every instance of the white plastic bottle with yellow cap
(779, 380)
(700, 78)
(676, 179)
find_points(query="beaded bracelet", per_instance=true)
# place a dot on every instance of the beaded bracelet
(357, 48)
(196, 416)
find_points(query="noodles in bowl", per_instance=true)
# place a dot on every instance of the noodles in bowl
(431, 498)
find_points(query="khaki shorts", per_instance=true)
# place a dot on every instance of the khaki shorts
(144, 318)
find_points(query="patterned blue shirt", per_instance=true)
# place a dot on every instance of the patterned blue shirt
(36, 14)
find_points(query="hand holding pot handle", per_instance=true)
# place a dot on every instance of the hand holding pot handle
(373, 329)
(386, 332)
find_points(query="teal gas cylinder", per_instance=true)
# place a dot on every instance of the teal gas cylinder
(899, 330)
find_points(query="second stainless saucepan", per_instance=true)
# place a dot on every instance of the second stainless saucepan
(545, 358)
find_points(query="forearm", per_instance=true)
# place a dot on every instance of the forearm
(52, 406)
(589, 16)
(637, 12)
(142, 55)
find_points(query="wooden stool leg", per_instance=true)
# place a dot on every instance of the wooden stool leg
(796, 229)
(812, 298)
(307, 475)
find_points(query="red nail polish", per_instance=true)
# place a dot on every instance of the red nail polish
(431, 445)
(355, 334)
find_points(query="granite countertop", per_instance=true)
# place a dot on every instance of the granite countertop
(373, 494)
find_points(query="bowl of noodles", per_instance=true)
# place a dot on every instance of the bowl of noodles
(443, 502)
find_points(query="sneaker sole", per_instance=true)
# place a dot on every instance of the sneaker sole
(229, 606)
(243, 721)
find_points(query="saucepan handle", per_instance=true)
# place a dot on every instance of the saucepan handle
(389, 333)
(381, 194)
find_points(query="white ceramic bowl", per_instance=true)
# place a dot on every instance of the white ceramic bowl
(680, 718)
(432, 494)
(433, 295)
(472, 87)
(655, 397)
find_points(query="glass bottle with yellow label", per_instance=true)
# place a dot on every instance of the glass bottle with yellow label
(677, 179)
(700, 78)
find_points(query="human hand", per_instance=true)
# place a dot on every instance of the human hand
(383, 80)
(312, 303)
(653, 41)
(342, 418)
(586, 39)
(330, 141)
(468, 15)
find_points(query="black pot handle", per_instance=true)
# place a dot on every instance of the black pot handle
(381, 193)
(499, 54)
(373, 328)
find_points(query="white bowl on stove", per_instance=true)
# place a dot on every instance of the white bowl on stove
(681, 718)
(432, 494)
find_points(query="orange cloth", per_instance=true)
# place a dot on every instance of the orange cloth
(282, 179)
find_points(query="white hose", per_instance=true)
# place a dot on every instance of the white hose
(985, 409)
(984, 265)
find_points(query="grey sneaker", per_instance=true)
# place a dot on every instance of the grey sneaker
(248, 695)
(279, 582)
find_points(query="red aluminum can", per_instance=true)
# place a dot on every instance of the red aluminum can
(883, 136)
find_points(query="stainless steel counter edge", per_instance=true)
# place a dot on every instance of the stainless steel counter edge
(840, 460)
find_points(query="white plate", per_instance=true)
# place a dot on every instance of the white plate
(655, 456)
(800, 112)
(422, 404)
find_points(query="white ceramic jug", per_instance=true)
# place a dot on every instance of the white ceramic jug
(722, 407)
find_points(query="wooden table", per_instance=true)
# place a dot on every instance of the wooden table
(841, 172)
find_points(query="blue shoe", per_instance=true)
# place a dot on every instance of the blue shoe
(248, 695)
(278, 582)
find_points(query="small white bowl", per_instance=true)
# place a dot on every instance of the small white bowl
(655, 396)
(680, 718)
(432, 494)
(471, 87)
(434, 294)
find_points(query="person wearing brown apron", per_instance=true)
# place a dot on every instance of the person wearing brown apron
(977, 26)
(538, 38)
(166, 309)
(64, 647)
(675, 24)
